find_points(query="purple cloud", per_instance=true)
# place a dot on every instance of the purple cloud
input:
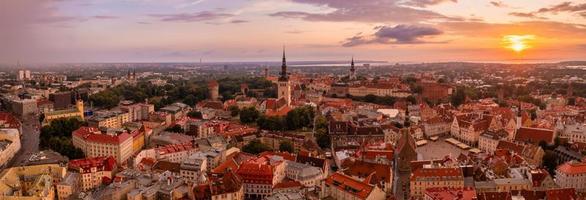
(191, 17)
(567, 7)
(425, 3)
(526, 15)
(499, 4)
(239, 21)
(564, 7)
(400, 34)
(105, 17)
(364, 11)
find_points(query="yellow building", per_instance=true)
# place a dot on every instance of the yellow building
(69, 113)
(111, 119)
(433, 176)
(30, 182)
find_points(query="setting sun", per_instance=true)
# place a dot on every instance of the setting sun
(518, 43)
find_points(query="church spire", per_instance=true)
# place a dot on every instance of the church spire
(284, 67)
(352, 64)
(352, 75)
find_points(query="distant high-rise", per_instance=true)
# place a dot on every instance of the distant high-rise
(352, 70)
(284, 88)
(22, 73)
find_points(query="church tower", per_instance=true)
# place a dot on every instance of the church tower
(284, 85)
(352, 70)
(79, 106)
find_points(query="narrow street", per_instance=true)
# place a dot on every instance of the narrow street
(29, 140)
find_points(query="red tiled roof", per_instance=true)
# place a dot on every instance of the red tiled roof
(561, 194)
(8, 120)
(509, 146)
(438, 193)
(376, 172)
(229, 164)
(494, 196)
(373, 154)
(85, 164)
(172, 148)
(441, 173)
(257, 170)
(93, 134)
(538, 176)
(285, 155)
(534, 135)
(573, 168)
(278, 112)
(229, 183)
(288, 184)
(349, 185)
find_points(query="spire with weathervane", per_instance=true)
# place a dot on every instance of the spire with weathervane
(284, 76)
(284, 85)
(352, 70)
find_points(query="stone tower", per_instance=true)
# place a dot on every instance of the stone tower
(352, 75)
(79, 106)
(284, 85)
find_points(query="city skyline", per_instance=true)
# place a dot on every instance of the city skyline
(227, 31)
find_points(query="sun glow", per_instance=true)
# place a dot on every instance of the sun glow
(518, 43)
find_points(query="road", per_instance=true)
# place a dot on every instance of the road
(29, 140)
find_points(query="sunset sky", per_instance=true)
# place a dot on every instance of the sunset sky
(255, 30)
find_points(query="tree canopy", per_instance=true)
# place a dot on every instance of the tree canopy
(286, 146)
(255, 147)
(57, 136)
(249, 115)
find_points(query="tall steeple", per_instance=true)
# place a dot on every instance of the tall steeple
(284, 76)
(352, 70)
(284, 85)
(352, 65)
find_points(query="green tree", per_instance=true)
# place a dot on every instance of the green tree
(286, 146)
(255, 147)
(234, 110)
(458, 97)
(549, 161)
(572, 101)
(249, 115)
(57, 136)
(175, 129)
(370, 98)
(272, 123)
(300, 117)
(417, 89)
(321, 132)
(194, 114)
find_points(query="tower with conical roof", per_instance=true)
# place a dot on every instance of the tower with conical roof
(352, 75)
(284, 85)
(405, 151)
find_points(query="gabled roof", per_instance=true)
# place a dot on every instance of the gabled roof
(534, 135)
(561, 194)
(349, 185)
(406, 141)
(439, 173)
(376, 172)
(316, 162)
(494, 196)
(572, 168)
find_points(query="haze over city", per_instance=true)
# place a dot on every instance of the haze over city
(292, 100)
(49, 31)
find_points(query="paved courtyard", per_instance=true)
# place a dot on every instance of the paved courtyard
(438, 150)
